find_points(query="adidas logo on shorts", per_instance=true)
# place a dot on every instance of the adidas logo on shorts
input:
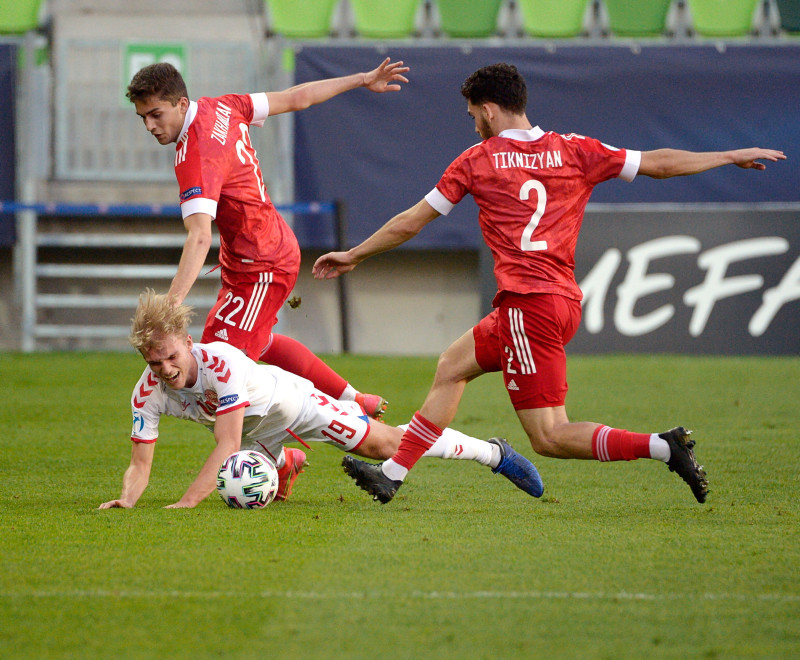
(222, 334)
(512, 385)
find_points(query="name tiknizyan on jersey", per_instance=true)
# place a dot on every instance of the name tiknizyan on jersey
(504, 160)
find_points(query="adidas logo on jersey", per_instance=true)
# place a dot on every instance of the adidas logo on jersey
(222, 334)
(512, 385)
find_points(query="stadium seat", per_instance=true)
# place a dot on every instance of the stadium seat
(479, 21)
(789, 11)
(384, 19)
(637, 18)
(19, 16)
(722, 18)
(552, 18)
(301, 19)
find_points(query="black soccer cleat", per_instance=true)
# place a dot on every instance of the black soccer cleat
(370, 477)
(683, 461)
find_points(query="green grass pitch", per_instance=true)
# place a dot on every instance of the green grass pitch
(616, 560)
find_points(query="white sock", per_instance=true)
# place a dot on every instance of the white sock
(394, 470)
(453, 444)
(281, 460)
(349, 393)
(659, 448)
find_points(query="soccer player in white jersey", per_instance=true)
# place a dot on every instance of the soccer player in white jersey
(531, 188)
(248, 405)
(220, 181)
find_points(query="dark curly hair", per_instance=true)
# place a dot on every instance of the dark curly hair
(161, 80)
(497, 83)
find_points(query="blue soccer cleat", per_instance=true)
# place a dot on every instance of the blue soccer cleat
(517, 469)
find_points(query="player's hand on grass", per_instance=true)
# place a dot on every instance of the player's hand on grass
(180, 505)
(115, 504)
(332, 265)
(385, 77)
(748, 158)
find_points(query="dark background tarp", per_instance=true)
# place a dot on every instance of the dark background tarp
(8, 67)
(382, 153)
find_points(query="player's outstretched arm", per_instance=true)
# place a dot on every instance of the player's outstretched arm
(195, 250)
(136, 478)
(401, 228)
(228, 435)
(666, 163)
(384, 78)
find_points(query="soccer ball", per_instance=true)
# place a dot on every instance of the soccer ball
(247, 480)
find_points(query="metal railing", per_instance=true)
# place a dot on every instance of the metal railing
(33, 271)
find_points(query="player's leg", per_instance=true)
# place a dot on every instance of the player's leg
(551, 434)
(343, 425)
(290, 462)
(290, 355)
(538, 329)
(473, 354)
(495, 453)
(456, 367)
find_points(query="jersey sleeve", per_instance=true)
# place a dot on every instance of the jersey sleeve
(601, 161)
(146, 408)
(260, 108)
(453, 186)
(203, 160)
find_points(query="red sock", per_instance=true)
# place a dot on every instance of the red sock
(291, 355)
(418, 438)
(619, 445)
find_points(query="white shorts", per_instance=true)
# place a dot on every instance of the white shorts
(342, 424)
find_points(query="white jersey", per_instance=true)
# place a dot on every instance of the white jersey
(278, 405)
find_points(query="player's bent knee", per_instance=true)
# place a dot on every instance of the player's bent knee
(544, 444)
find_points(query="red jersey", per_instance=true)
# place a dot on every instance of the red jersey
(531, 189)
(218, 174)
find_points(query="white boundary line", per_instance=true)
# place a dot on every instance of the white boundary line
(370, 595)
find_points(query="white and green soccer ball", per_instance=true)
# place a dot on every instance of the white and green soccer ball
(247, 480)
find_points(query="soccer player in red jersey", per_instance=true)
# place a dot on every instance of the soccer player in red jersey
(220, 181)
(531, 188)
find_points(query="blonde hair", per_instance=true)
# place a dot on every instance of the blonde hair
(156, 318)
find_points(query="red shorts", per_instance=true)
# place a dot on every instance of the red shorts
(247, 309)
(524, 337)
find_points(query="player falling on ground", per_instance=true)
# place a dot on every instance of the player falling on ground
(220, 181)
(531, 188)
(260, 407)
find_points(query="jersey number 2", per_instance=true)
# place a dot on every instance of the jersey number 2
(527, 244)
(244, 149)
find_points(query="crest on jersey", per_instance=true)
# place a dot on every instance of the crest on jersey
(212, 401)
